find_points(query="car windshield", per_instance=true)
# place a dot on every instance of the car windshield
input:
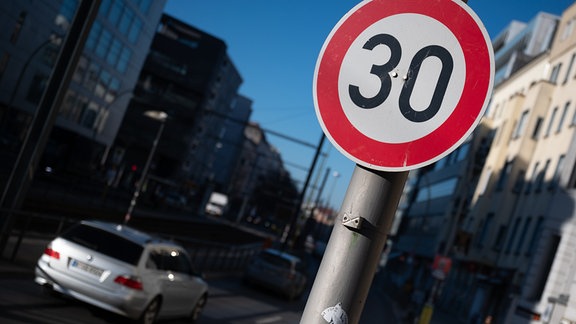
(104, 242)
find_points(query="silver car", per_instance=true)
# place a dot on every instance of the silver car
(279, 271)
(124, 271)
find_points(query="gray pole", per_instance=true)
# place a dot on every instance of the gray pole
(357, 240)
(290, 230)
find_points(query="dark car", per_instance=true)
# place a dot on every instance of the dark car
(279, 271)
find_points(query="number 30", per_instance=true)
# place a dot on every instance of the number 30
(383, 73)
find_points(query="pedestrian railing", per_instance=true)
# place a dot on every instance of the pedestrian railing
(209, 257)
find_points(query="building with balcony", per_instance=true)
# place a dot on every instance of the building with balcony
(189, 75)
(519, 261)
(520, 42)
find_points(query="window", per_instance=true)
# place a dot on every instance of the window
(535, 235)
(89, 116)
(519, 183)
(115, 12)
(562, 117)
(114, 52)
(569, 69)
(94, 36)
(92, 76)
(541, 176)
(126, 21)
(520, 242)
(512, 235)
(103, 43)
(533, 177)
(102, 84)
(112, 92)
(485, 230)
(78, 109)
(104, 7)
(555, 73)
(68, 104)
(537, 128)
(68, 9)
(144, 5)
(135, 30)
(105, 243)
(567, 29)
(551, 122)
(37, 87)
(521, 125)
(436, 190)
(463, 151)
(124, 60)
(573, 119)
(440, 164)
(504, 174)
(169, 260)
(556, 180)
(499, 242)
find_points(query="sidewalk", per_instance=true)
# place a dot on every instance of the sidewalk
(24, 261)
(400, 302)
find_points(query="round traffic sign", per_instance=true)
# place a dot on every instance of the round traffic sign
(400, 84)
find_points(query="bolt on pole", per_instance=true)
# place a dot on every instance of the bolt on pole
(353, 251)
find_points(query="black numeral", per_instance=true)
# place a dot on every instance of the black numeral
(383, 73)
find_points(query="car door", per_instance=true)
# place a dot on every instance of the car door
(181, 286)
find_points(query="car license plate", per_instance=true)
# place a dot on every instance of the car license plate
(86, 267)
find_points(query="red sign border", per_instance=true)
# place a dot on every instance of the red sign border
(366, 151)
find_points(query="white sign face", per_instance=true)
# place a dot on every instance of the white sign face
(399, 85)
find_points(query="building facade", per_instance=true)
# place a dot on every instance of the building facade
(188, 75)
(512, 253)
(98, 94)
(519, 264)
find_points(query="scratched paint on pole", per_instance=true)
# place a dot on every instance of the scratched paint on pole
(335, 315)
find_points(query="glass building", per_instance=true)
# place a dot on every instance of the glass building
(102, 83)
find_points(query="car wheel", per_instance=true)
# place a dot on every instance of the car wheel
(49, 291)
(151, 312)
(198, 308)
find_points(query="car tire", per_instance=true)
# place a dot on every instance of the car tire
(198, 308)
(150, 312)
(48, 290)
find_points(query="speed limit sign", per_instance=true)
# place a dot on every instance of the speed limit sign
(400, 84)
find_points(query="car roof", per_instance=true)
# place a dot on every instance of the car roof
(283, 254)
(127, 232)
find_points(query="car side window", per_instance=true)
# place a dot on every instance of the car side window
(184, 264)
(169, 260)
(154, 260)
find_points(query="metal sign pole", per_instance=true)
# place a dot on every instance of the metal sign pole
(357, 240)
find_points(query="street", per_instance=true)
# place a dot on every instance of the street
(230, 301)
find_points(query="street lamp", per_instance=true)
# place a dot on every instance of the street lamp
(160, 116)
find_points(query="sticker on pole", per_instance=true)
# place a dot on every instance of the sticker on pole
(400, 84)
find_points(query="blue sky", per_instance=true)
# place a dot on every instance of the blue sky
(275, 45)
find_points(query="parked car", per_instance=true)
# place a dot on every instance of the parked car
(124, 271)
(279, 271)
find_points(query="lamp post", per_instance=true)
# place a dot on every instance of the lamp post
(160, 116)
